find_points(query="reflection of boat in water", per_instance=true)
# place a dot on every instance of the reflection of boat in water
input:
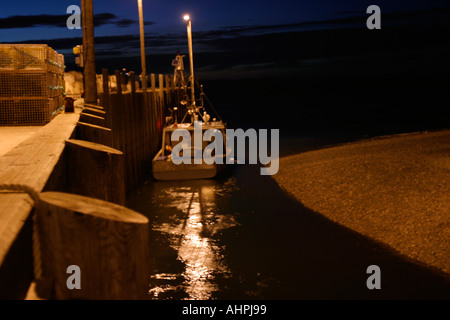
(186, 216)
(196, 121)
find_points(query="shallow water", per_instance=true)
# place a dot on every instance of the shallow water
(187, 217)
(240, 236)
(189, 221)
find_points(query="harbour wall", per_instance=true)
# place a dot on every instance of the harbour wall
(100, 152)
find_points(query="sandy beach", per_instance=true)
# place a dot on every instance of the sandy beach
(392, 189)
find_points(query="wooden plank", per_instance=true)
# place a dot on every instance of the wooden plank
(137, 132)
(16, 255)
(119, 81)
(134, 137)
(133, 82)
(31, 163)
(105, 97)
(93, 106)
(92, 119)
(153, 112)
(15, 208)
(94, 111)
(105, 78)
(161, 85)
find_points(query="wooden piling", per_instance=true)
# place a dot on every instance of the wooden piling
(161, 85)
(105, 84)
(105, 99)
(94, 106)
(153, 113)
(136, 119)
(55, 159)
(133, 81)
(129, 141)
(107, 242)
(168, 87)
(94, 111)
(119, 82)
(93, 133)
(95, 170)
(136, 132)
(92, 119)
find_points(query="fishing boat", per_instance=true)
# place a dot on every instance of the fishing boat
(165, 169)
(196, 121)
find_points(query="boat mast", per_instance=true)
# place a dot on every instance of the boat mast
(191, 60)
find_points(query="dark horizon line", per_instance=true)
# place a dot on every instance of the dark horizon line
(41, 20)
(170, 39)
(109, 18)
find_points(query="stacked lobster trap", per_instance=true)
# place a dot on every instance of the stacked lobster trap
(31, 84)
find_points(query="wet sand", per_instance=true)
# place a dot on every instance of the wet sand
(394, 190)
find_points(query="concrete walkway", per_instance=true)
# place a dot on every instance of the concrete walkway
(395, 190)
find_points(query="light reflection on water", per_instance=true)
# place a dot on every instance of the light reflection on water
(185, 218)
(278, 250)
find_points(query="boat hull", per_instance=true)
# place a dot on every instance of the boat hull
(167, 170)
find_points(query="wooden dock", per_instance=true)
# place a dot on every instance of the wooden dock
(101, 152)
(28, 168)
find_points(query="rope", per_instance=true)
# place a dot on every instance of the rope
(209, 102)
(22, 188)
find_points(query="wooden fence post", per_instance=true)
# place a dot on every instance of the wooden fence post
(153, 111)
(161, 86)
(105, 245)
(95, 170)
(93, 133)
(106, 102)
(94, 111)
(92, 119)
(119, 82)
(133, 82)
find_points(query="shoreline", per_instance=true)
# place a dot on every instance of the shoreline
(370, 186)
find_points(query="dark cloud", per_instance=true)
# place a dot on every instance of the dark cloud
(121, 42)
(60, 21)
(221, 39)
(435, 15)
(104, 18)
(282, 46)
(33, 21)
(123, 23)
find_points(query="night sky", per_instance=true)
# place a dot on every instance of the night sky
(233, 37)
